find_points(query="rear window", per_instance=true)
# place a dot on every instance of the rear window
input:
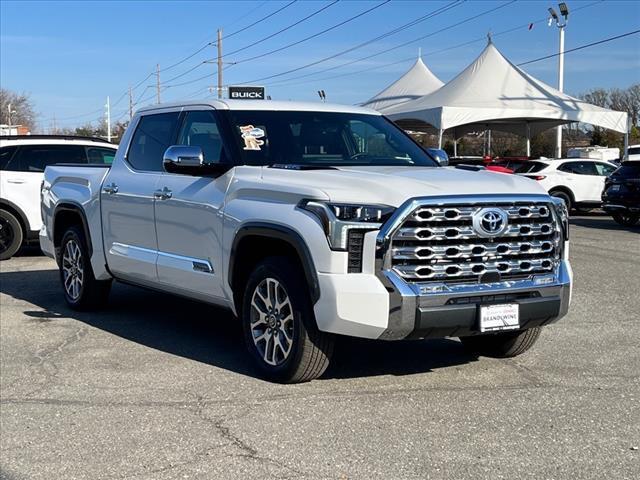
(629, 169)
(531, 167)
(35, 158)
(634, 151)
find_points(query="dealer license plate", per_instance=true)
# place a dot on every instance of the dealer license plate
(494, 318)
(614, 188)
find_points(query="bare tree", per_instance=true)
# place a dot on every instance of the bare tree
(22, 112)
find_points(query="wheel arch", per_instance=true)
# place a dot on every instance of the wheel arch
(272, 239)
(65, 215)
(18, 213)
(564, 189)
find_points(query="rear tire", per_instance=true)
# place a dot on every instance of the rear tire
(11, 235)
(502, 345)
(626, 219)
(81, 289)
(564, 196)
(279, 325)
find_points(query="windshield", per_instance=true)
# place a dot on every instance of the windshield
(323, 139)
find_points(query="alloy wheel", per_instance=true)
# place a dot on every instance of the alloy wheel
(72, 269)
(272, 323)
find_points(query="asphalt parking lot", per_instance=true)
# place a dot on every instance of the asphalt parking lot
(156, 387)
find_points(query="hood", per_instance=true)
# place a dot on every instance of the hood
(394, 185)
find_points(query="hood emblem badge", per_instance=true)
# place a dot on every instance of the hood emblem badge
(490, 222)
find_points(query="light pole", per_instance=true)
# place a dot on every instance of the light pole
(107, 107)
(10, 111)
(561, 24)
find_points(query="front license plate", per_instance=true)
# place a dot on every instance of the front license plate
(494, 318)
(614, 188)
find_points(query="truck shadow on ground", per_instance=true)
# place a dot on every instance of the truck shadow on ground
(213, 335)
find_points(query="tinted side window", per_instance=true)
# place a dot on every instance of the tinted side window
(200, 129)
(35, 158)
(5, 155)
(154, 134)
(604, 170)
(531, 167)
(101, 155)
(579, 168)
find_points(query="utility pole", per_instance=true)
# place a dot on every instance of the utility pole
(130, 104)
(108, 112)
(564, 11)
(157, 83)
(219, 63)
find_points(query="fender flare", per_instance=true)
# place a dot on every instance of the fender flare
(70, 206)
(286, 234)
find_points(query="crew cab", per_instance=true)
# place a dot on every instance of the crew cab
(23, 158)
(310, 221)
(577, 181)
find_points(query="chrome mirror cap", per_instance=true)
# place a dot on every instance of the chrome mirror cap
(181, 156)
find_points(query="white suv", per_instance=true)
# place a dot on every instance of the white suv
(22, 163)
(578, 181)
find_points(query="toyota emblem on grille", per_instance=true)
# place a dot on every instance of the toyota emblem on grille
(490, 222)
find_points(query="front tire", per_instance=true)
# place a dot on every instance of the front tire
(626, 219)
(81, 289)
(502, 345)
(11, 235)
(279, 325)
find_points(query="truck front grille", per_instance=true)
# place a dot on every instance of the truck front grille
(438, 243)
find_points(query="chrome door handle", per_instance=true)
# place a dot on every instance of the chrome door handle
(110, 189)
(15, 180)
(163, 194)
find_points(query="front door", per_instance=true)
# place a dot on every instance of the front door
(189, 216)
(128, 200)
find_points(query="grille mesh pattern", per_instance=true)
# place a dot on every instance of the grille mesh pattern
(439, 244)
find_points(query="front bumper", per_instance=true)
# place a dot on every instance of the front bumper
(421, 311)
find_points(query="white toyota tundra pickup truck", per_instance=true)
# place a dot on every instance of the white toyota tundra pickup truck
(309, 221)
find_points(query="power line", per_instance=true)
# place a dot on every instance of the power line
(486, 12)
(288, 27)
(260, 20)
(479, 39)
(581, 47)
(333, 27)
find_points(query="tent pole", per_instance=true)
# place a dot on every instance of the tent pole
(528, 141)
(455, 147)
(625, 154)
(440, 139)
(489, 144)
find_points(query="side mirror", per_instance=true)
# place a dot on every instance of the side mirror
(182, 158)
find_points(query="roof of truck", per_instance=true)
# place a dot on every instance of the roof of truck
(266, 105)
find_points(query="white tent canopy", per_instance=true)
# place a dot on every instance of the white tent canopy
(417, 82)
(494, 94)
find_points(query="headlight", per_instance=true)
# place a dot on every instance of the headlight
(337, 219)
(563, 215)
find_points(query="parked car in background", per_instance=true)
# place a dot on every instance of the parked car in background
(621, 194)
(23, 159)
(310, 220)
(579, 182)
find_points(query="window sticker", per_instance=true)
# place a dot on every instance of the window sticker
(251, 136)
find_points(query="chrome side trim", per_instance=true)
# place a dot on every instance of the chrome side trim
(150, 255)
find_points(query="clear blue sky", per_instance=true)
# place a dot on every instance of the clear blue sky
(70, 55)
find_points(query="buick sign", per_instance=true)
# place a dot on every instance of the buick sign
(246, 93)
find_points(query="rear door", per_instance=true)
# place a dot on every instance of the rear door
(23, 175)
(189, 215)
(128, 202)
(603, 170)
